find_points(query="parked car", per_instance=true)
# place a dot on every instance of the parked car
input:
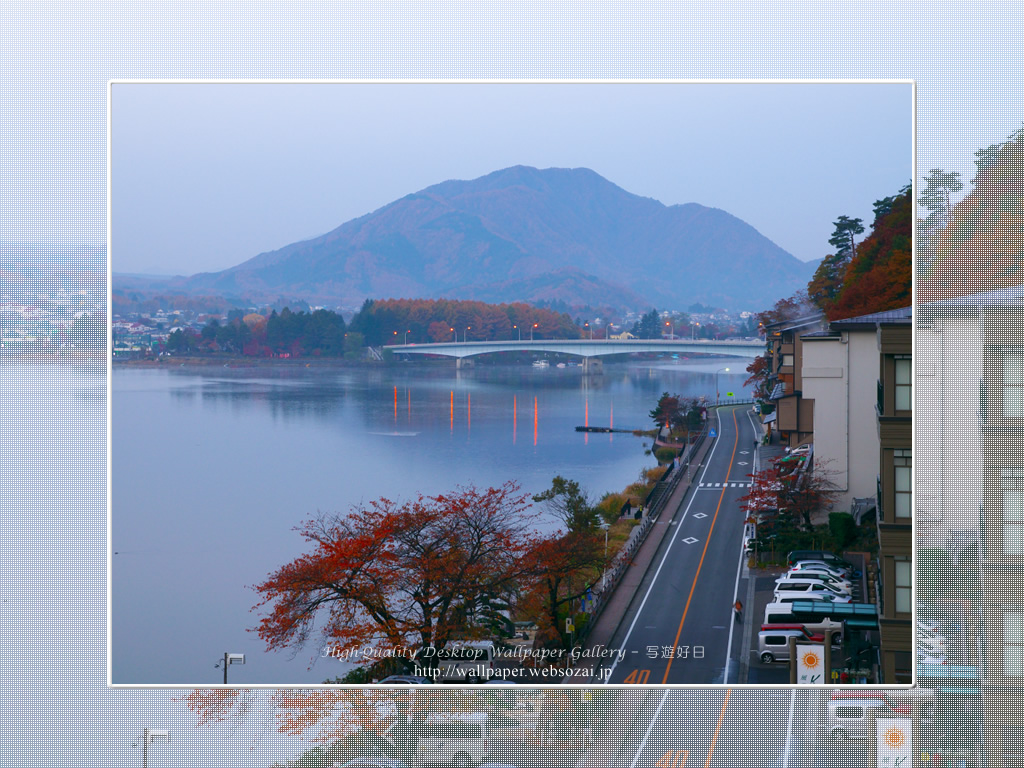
(811, 566)
(831, 558)
(852, 574)
(787, 584)
(843, 584)
(373, 762)
(790, 597)
(456, 739)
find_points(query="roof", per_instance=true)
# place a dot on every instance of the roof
(998, 297)
(798, 322)
(901, 316)
(778, 392)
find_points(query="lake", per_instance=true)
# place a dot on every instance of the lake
(212, 468)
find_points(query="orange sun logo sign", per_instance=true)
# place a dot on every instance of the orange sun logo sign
(810, 660)
(894, 738)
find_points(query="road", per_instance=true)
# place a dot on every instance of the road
(680, 627)
(721, 728)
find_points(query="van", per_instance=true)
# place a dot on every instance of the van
(848, 716)
(786, 584)
(457, 739)
(773, 642)
(817, 554)
(776, 613)
(466, 661)
(848, 709)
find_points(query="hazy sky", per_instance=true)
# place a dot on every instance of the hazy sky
(205, 176)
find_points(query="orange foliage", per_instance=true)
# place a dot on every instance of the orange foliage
(395, 575)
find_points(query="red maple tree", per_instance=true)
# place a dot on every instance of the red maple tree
(400, 575)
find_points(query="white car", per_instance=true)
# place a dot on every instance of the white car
(845, 573)
(810, 573)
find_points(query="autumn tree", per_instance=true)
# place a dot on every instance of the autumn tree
(789, 490)
(563, 568)
(399, 574)
(878, 278)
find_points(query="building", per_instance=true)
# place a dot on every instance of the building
(793, 418)
(856, 381)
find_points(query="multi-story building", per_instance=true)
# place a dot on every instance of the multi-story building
(793, 418)
(856, 380)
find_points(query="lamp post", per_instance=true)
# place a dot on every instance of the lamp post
(672, 326)
(149, 735)
(456, 337)
(405, 337)
(716, 382)
(587, 325)
(465, 332)
(519, 331)
(229, 659)
(531, 331)
(692, 329)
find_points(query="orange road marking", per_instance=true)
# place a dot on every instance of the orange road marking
(679, 632)
(721, 717)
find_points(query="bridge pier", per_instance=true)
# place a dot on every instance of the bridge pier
(593, 365)
(463, 362)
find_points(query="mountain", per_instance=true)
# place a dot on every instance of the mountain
(523, 234)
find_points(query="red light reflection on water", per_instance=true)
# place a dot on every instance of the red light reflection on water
(535, 421)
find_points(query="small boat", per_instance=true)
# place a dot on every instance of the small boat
(540, 364)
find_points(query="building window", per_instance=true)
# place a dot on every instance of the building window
(787, 360)
(1013, 385)
(902, 470)
(904, 384)
(1013, 644)
(1013, 511)
(904, 586)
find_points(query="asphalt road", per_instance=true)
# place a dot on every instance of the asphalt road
(729, 728)
(680, 627)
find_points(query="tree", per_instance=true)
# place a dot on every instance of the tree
(667, 412)
(827, 281)
(842, 237)
(648, 326)
(397, 575)
(936, 194)
(797, 493)
(570, 504)
(562, 568)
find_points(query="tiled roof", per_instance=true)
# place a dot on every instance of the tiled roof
(902, 315)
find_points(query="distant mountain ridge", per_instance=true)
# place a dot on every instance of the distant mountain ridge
(523, 234)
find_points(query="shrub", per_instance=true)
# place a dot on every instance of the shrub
(664, 455)
(843, 529)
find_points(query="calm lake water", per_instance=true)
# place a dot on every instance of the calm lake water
(212, 468)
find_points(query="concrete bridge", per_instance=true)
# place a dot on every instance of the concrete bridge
(585, 348)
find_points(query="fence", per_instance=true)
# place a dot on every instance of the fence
(653, 505)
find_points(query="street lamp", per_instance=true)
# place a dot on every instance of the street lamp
(405, 338)
(465, 332)
(587, 325)
(531, 331)
(692, 328)
(716, 382)
(519, 331)
(456, 337)
(672, 326)
(229, 659)
(149, 735)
